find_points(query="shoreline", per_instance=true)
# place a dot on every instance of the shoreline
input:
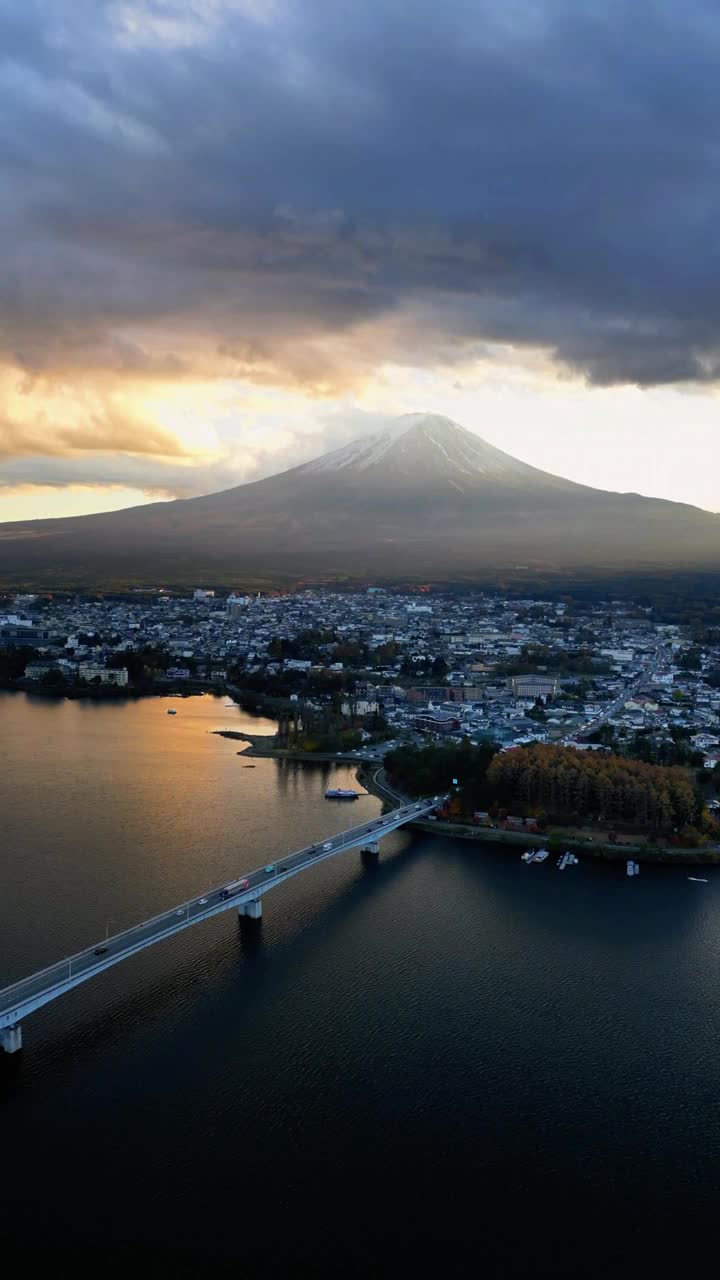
(257, 746)
(554, 841)
(113, 692)
(257, 749)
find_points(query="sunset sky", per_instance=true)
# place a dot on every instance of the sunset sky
(239, 232)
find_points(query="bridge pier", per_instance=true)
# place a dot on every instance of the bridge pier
(11, 1038)
(20, 999)
(251, 910)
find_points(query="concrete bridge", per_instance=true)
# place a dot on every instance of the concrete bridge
(244, 894)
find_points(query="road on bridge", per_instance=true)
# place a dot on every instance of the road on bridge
(102, 955)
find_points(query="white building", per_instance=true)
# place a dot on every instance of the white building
(90, 671)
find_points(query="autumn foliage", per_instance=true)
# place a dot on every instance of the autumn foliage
(569, 783)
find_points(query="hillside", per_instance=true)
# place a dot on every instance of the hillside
(423, 500)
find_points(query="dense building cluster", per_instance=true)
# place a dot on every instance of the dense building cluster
(433, 665)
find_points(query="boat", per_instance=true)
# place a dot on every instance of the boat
(697, 879)
(172, 711)
(541, 855)
(633, 868)
(528, 855)
(563, 861)
(339, 793)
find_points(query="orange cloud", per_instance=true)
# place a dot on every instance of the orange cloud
(49, 419)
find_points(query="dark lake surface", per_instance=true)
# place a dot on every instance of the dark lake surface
(446, 1062)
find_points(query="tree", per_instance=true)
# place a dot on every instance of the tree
(428, 770)
(53, 679)
(575, 783)
(14, 661)
(605, 735)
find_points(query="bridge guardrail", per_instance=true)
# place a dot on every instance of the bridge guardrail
(57, 968)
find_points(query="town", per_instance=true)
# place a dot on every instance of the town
(384, 667)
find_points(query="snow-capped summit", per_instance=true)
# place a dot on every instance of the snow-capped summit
(419, 445)
(424, 499)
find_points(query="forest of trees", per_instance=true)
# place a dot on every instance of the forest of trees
(326, 727)
(654, 749)
(568, 784)
(561, 784)
(425, 771)
(533, 658)
(314, 645)
(306, 684)
(13, 662)
(651, 746)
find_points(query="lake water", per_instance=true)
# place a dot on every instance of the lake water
(447, 1061)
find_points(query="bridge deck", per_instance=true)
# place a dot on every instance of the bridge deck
(31, 993)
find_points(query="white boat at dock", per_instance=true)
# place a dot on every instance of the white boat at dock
(633, 868)
(698, 880)
(535, 855)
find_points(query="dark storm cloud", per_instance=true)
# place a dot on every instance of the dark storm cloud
(230, 186)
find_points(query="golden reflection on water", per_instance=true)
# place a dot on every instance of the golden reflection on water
(111, 812)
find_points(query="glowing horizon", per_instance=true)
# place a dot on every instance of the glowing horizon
(241, 234)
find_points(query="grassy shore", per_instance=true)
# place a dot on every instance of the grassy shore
(263, 746)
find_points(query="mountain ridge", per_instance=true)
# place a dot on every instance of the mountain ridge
(425, 438)
(425, 498)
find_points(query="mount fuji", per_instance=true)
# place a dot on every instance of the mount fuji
(423, 500)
